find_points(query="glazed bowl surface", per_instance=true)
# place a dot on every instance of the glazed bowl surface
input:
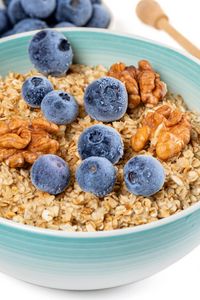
(86, 261)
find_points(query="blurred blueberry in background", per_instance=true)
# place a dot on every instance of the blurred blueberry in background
(39, 14)
(28, 25)
(16, 12)
(100, 17)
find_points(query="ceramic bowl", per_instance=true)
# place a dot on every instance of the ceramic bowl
(87, 261)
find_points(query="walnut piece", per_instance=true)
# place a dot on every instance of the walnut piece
(22, 141)
(168, 131)
(143, 84)
(18, 140)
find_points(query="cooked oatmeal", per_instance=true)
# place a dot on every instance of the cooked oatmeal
(75, 210)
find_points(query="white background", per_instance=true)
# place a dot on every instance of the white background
(182, 280)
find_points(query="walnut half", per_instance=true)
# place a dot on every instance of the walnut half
(143, 84)
(168, 131)
(23, 141)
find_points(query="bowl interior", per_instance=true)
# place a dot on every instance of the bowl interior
(93, 47)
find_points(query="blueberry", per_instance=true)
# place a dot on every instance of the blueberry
(50, 174)
(16, 12)
(28, 25)
(144, 175)
(96, 175)
(50, 52)
(39, 8)
(35, 89)
(64, 24)
(100, 17)
(4, 21)
(76, 11)
(101, 141)
(59, 107)
(106, 99)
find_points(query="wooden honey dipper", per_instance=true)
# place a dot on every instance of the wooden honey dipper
(150, 13)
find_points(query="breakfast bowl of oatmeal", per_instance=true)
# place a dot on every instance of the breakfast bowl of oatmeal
(99, 158)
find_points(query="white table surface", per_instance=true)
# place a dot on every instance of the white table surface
(180, 281)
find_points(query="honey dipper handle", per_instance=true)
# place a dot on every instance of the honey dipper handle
(184, 42)
(150, 12)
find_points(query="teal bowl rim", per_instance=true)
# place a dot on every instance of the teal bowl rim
(116, 232)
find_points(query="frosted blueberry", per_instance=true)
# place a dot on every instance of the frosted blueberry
(35, 89)
(59, 107)
(144, 175)
(96, 175)
(50, 52)
(106, 99)
(50, 174)
(101, 141)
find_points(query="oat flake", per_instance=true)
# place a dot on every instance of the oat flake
(75, 210)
